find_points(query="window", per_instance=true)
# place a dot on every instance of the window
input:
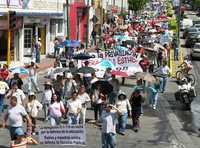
(27, 38)
(60, 26)
(27, 41)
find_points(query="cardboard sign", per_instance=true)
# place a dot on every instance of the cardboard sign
(64, 135)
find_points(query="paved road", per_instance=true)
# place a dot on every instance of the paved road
(156, 130)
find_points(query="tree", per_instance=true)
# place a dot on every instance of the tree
(197, 3)
(136, 5)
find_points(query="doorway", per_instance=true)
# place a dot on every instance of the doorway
(42, 35)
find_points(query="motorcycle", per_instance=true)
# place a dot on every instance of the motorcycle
(186, 92)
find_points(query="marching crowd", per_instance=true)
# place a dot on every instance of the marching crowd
(68, 95)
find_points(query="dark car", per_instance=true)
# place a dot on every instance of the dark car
(190, 41)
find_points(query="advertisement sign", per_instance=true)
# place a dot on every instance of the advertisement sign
(63, 135)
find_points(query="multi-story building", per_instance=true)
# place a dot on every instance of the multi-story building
(45, 19)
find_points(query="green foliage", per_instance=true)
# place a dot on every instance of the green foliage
(197, 3)
(137, 5)
(169, 9)
(173, 25)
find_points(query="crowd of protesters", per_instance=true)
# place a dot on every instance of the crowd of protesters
(68, 95)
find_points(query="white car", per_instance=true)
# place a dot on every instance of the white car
(195, 52)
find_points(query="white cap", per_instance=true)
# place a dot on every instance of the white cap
(31, 94)
(69, 75)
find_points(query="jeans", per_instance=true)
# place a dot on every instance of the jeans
(13, 132)
(32, 82)
(108, 140)
(83, 113)
(55, 121)
(163, 84)
(46, 112)
(97, 110)
(56, 51)
(73, 119)
(176, 53)
(122, 120)
(1, 103)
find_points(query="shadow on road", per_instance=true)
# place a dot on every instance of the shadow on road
(2, 146)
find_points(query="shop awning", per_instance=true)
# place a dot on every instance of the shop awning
(30, 12)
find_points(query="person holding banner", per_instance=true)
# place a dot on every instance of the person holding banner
(56, 110)
(109, 120)
(74, 107)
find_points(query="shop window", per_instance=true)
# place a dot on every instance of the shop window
(27, 41)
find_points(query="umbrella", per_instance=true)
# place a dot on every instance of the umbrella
(86, 70)
(139, 75)
(60, 70)
(105, 64)
(131, 42)
(71, 43)
(121, 48)
(21, 71)
(82, 56)
(148, 77)
(120, 73)
(105, 86)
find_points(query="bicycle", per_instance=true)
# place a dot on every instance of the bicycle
(183, 72)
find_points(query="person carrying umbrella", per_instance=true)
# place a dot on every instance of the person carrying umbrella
(136, 101)
(87, 77)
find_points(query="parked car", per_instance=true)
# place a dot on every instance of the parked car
(190, 32)
(195, 52)
(186, 23)
(191, 40)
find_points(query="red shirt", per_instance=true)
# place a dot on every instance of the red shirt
(4, 73)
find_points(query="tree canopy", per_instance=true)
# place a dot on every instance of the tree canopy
(136, 5)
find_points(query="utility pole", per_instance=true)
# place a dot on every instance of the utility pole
(122, 5)
(9, 38)
(88, 23)
(68, 22)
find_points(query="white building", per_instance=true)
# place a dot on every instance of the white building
(35, 19)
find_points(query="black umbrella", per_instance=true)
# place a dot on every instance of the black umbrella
(105, 86)
(82, 56)
(85, 70)
(130, 42)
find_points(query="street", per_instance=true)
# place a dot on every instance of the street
(155, 132)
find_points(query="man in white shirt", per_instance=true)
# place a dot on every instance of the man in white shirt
(3, 89)
(74, 108)
(15, 115)
(109, 120)
(18, 93)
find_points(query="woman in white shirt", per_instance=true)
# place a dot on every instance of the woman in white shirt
(73, 109)
(56, 110)
(46, 98)
(84, 99)
(33, 107)
(124, 106)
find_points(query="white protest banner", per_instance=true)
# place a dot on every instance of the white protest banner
(63, 135)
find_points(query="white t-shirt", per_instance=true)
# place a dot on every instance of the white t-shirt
(84, 98)
(19, 94)
(15, 115)
(73, 106)
(3, 87)
(47, 95)
(123, 105)
(109, 121)
(55, 109)
(33, 107)
(165, 70)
